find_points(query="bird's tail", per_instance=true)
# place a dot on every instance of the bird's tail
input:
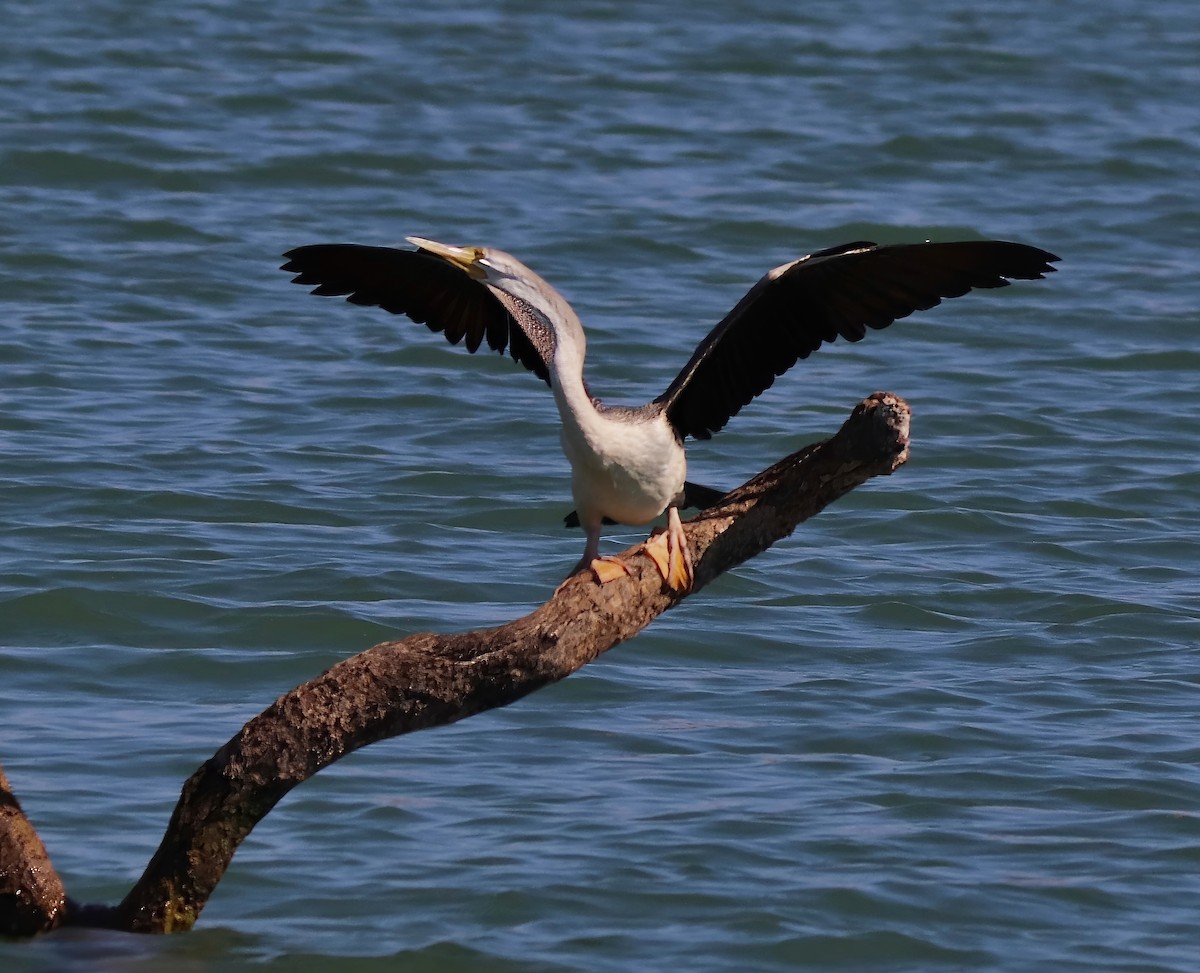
(701, 497)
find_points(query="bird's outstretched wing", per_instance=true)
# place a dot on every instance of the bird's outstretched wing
(842, 291)
(427, 289)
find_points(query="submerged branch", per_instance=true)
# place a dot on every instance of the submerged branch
(429, 680)
(32, 898)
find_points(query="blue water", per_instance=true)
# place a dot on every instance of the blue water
(951, 724)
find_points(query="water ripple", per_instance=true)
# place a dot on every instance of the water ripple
(949, 724)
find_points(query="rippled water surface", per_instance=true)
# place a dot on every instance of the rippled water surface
(951, 724)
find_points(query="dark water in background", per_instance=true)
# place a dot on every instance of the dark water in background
(951, 724)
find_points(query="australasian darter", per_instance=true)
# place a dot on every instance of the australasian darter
(628, 464)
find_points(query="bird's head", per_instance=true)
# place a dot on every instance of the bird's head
(475, 262)
(500, 271)
(484, 264)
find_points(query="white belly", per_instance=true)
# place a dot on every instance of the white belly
(629, 472)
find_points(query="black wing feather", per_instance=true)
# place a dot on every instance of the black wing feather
(841, 291)
(425, 288)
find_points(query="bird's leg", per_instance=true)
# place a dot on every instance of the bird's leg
(604, 569)
(667, 549)
(670, 554)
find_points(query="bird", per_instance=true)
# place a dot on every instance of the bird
(628, 465)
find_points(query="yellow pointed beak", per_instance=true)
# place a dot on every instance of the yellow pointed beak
(467, 258)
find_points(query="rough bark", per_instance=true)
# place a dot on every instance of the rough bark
(429, 680)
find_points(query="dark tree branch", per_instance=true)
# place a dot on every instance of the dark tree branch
(429, 680)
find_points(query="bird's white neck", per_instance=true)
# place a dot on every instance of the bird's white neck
(575, 405)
